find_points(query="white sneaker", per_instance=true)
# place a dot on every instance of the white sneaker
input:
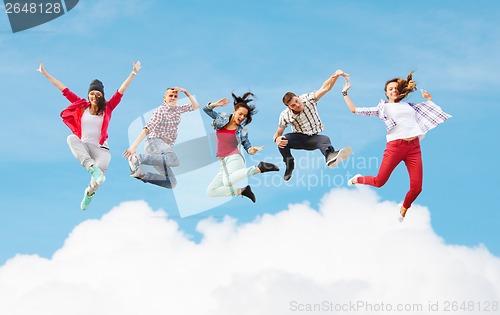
(338, 157)
(139, 174)
(133, 163)
(350, 182)
(401, 218)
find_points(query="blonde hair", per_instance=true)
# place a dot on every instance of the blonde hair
(405, 87)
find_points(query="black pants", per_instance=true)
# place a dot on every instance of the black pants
(300, 141)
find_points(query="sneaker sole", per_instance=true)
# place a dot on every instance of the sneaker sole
(342, 156)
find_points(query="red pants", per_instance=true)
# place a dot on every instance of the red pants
(395, 152)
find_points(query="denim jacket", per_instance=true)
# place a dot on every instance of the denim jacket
(222, 119)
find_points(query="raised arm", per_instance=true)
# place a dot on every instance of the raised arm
(426, 95)
(209, 109)
(329, 83)
(135, 68)
(193, 101)
(58, 84)
(347, 99)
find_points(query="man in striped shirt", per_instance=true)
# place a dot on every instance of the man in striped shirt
(302, 114)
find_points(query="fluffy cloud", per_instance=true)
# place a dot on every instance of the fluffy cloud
(351, 255)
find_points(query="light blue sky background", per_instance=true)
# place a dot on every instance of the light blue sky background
(269, 47)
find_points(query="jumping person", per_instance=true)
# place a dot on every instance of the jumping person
(89, 122)
(161, 131)
(302, 114)
(230, 136)
(406, 124)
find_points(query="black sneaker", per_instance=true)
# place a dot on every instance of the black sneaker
(267, 167)
(289, 169)
(332, 158)
(247, 192)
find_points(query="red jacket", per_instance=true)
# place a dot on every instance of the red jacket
(72, 115)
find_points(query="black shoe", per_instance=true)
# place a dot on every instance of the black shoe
(247, 192)
(331, 158)
(267, 167)
(289, 169)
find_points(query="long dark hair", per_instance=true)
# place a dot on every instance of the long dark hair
(101, 105)
(405, 87)
(244, 101)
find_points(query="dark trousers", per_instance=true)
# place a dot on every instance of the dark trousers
(300, 141)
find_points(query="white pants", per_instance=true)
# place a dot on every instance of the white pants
(89, 154)
(222, 184)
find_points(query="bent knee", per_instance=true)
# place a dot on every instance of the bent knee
(175, 163)
(379, 184)
(72, 138)
(211, 192)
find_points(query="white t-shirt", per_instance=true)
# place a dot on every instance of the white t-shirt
(406, 121)
(91, 127)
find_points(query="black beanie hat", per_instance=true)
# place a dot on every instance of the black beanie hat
(96, 85)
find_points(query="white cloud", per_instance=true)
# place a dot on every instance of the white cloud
(352, 250)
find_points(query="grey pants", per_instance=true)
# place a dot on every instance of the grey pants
(161, 156)
(89, 154)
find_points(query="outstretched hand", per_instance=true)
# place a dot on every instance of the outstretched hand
(221, 102)
(339, 73)
(41, 69)
(136, 66)
(254, 150)
(426, 94)
(347, 85)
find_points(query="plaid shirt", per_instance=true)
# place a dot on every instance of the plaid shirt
(307, 121)
(427, 114)
(165, 122)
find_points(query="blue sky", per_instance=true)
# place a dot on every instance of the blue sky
(269, 47)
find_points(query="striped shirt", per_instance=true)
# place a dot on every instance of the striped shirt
(427, 114)
(164, 122)
(307, 121)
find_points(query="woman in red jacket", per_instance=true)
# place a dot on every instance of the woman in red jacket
(89, 121)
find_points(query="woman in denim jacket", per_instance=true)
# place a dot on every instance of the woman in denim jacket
(230, 136)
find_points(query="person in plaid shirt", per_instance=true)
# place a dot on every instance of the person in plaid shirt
(161, 132)
(406, 124)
